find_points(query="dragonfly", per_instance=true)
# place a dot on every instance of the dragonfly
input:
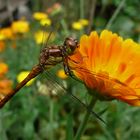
(49, 57)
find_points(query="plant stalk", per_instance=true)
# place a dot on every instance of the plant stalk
(115, 14)
(82, 126)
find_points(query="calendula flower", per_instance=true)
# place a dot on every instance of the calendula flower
(84, 22)
(5, 87)
(55, 9)
(3, 68)
(45, 21)
(110, 65)
(20, 26)
(6, 33)
(61, 74)
(2, 45)
(40, 15)
(2, 37)
(41, 37)
(23, 75)
(77, 26)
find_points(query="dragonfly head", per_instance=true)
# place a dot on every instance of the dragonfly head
(70, 45)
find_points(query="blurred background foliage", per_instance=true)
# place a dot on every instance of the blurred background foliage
(41, 110)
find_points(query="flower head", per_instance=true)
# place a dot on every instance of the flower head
(6, 33)
(80, 24)
(77, 26)
(110, 65)
(20, 26)
(41, 36)
(55, 9)
(23, 75)
(5, 87)
(2, 45)
(40, 15)
(61, 74)
(3, 68)
(84, 22)
(45, 21)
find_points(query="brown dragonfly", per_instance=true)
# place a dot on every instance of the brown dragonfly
(49, 57)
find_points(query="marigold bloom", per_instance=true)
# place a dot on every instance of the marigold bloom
(84, 22)
(40, 15)
(2, 37)
(3, 69)
(20, 26)
(110, 65)
(41, 36)
(2, 45)
(6, 33)
(5, 87)
(55, 9)
(23, 75)
(45, 21)
(77, 26)
(61, 74)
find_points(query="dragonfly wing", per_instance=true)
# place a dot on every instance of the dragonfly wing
(105, 84)
(63, 88)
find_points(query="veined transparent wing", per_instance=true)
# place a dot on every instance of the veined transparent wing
(101, 81)
(61, 89)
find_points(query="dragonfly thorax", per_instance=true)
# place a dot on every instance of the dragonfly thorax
(50, 56)
(70, 45)
(55, 54)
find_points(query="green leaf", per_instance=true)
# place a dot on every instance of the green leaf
(69, 129)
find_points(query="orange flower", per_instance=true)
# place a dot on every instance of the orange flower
(7, 33)
(3, 68)
(5, 87)
(2, 45)
(110, 65)
(55, 9)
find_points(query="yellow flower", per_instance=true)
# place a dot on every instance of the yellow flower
(40, 15)
(2, 37)
(110, 65)
(77, 26)
(23, 75)
(20, 26)
(61, 74)
(84, 22)
(45, 21)
(3, 69)
(6, 33)
(41, 36)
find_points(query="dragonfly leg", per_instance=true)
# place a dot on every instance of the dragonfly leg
(67, 69)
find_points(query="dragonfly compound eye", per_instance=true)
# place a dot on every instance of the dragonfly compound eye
(70, 44)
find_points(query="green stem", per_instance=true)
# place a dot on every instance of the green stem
(81, 9)
(85, 120)
(51, 120)
(64, 25)
(115, 14)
